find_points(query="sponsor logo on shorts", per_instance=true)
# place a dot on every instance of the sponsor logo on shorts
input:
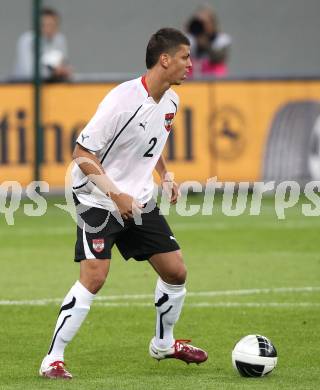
(172, 238)
(98, 244)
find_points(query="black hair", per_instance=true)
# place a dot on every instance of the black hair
(163, 41)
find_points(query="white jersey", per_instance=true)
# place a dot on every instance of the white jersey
(127, 134)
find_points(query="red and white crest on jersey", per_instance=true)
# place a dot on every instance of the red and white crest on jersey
(98, 244)
(168, 121)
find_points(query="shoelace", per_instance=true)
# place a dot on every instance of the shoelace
(58, 365)
(181, 345)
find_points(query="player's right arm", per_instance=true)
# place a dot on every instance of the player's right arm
(92, 168)
(99, 131)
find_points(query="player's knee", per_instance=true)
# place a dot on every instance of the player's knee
(178, 275)
(93, 276)
(181, 275)
(92, 285)
(95, 282)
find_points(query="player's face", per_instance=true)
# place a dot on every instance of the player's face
(179, 65)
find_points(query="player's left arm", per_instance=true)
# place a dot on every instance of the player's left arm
(167, 180)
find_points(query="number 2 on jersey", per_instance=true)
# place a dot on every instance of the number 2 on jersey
(153, 143)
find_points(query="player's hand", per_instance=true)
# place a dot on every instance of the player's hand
(126, 204)
(171, 188)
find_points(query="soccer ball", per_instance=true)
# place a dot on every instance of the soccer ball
(254, 356)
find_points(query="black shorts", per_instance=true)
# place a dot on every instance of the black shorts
(98, 230)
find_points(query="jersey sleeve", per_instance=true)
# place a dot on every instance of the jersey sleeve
(175, 100)
(101, 127)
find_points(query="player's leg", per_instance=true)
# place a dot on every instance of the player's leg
(169, 298)
(73, 312)
(93, 251)
(153, 240)
(169, 294)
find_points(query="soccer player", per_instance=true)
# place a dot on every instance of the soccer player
(116, 154)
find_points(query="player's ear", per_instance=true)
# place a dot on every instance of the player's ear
(164, 60)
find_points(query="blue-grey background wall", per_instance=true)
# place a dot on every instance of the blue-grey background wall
(270, 37)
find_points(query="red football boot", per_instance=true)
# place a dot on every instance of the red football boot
(55, 370)
(180, 350)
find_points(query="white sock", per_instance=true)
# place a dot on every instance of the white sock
(169, 300)
(74, 310)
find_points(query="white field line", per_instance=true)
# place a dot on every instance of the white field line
(133, 297)
(216, 304)
(216, 293)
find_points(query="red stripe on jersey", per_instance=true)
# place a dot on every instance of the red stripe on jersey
(143, 80)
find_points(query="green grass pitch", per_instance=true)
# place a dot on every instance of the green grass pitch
(232, 263)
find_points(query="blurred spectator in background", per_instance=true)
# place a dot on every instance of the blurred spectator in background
(53, 60)
(209, 47)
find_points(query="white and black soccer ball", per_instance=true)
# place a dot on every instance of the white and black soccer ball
(254, 356)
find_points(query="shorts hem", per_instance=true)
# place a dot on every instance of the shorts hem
(146, 256)
(78, 260)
